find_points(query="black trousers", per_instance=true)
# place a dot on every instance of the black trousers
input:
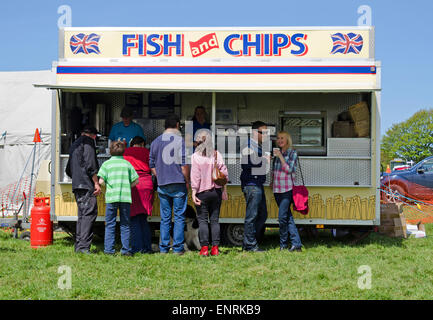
(209, 210)
(87, 213)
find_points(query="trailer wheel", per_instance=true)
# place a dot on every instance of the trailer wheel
(233, 234)
(25, 236)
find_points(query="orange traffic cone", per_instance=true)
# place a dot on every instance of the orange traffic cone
(388, 169)
(37, 137)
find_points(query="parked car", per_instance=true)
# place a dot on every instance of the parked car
(403, 167)
(412, 183)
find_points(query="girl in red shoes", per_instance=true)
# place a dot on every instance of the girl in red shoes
(206, 194)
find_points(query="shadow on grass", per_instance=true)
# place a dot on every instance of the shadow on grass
(325, 238)
(68, 240)
(311, 238)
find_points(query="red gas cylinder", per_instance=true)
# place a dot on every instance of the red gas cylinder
(41, 227)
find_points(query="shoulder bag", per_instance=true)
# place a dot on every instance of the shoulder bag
(218, 177)
(300, 194)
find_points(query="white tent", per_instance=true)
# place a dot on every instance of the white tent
(23, 109)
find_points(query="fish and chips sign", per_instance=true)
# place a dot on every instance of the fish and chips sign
(240, 43)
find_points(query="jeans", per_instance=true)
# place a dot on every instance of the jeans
(110, 226)
(209, 210)
(87, 213)
(255, 216)
(172, 197)
(286, 221)
(141, 236)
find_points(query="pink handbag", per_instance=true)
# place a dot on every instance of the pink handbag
(300, 195)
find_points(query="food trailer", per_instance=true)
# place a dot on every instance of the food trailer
(320, 84)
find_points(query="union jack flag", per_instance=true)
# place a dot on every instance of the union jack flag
(85, 43)
(346, 43)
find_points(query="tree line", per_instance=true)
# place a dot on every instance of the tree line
(409, 140)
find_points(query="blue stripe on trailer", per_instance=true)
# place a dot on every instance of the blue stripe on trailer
(216, 70)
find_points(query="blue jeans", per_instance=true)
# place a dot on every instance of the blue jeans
(286, 221)
(255, 216)
(141, 236)
(172, 197)
(110, 226)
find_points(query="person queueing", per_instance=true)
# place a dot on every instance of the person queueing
(254, 165)
(199, 122)
(119, 176)
(167, 162)
(142, 196)
(82, 167)
(283, 172)
(207, 195)
(127, 129)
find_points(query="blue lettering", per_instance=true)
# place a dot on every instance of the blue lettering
(251, 44)
(177, 44)
(157, 46)
(228, 44)
(302, 47)
(140, 45)
(127, 45)
(267, 40)
(278, 45)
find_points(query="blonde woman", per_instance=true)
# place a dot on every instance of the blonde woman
(283, 177)
(205, 193)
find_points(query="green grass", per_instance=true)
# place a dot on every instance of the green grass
(326, 269)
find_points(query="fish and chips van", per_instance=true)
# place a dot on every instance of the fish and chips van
(303, 80)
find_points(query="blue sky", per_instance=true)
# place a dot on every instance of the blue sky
(28, 30)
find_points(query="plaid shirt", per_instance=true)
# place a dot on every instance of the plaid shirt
(282, 181)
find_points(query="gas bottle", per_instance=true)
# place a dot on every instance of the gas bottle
(41, 226)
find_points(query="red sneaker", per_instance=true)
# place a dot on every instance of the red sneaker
(204, 251)
(214, 251)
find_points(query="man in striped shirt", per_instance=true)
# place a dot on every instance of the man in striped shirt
(119, 176)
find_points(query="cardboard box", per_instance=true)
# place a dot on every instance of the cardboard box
(399, 234)
(359, 112)
(343, 129)
(389, 217)
(400, 222)
(386, 229)
(387, 222)
(392, 220)
(393, 231)
(391, 208)
(416, 230)
(362, 128)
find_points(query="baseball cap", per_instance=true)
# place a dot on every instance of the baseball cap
(90, 130)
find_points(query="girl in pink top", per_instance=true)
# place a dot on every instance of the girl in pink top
(206, 194)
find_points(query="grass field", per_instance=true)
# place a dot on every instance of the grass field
(326, 269)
